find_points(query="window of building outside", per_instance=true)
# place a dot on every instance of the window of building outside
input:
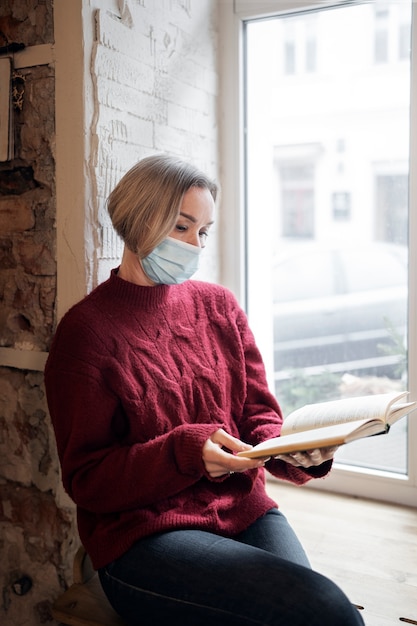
(327, 171)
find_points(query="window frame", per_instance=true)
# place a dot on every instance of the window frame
(233, 221)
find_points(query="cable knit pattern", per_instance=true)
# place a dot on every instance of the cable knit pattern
(137, 379)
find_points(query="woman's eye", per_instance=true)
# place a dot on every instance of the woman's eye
(181, 229)
(204, 234)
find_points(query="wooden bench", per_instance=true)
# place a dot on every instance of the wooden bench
(84, 602)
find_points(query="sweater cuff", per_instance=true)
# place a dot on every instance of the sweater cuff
(304, 474)
(318, 471)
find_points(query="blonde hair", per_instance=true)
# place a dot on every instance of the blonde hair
(145, 204)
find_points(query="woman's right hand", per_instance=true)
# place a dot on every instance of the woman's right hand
(219, 455)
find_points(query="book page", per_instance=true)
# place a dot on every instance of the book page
(322, 414)
(335, 435)
(400, 409)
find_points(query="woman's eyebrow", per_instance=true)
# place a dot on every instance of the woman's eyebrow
(193, 219)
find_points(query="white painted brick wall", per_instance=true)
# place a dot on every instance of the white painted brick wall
(155, 91)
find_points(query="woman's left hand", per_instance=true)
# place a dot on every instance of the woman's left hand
(309, 458)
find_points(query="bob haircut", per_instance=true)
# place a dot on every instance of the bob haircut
(145, 204)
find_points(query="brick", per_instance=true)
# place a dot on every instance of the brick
(7, 258)
(16, 180)
(183, 118)
(16, 215)
(138, 103)
(123, 70)
(28, 21)
(36, 257)
(113, 34)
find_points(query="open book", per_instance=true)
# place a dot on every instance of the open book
(335, 423)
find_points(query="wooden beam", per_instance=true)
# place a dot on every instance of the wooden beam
(32, 56)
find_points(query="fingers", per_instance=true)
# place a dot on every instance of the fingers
(308, 458)
(299, 459)
(219, 461)
(223, 438)
(219, 456)
(328, 453)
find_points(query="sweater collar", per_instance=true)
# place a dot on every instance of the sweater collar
(138, 295)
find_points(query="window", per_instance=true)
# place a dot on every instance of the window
(381, 34)
(300, 46)
(289, 51)
(341, 205)
(391, 206)
(326, 178)
(311, 50)
(297, 199)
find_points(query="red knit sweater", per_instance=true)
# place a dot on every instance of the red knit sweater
(137, 379)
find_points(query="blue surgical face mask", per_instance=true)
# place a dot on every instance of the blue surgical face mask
(172, 262)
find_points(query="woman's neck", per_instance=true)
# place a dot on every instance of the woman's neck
(131, 270)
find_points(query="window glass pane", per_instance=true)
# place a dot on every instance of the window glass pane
(306, 266)
(381, 33)
(327, 207)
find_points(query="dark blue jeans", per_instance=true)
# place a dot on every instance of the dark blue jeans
(196, 578)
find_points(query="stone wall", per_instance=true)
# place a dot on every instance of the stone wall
(37, 530)
(27, 194)
(152, 69)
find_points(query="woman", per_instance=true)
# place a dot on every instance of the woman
(154, 383)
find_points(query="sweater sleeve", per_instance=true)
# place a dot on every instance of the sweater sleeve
(100, 472)
(262, 417)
